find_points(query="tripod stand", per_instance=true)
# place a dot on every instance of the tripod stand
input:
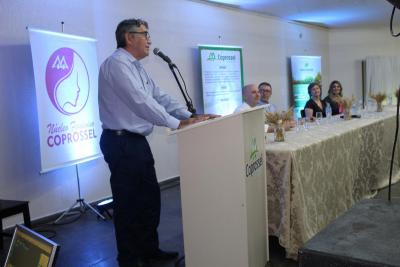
(80, 201)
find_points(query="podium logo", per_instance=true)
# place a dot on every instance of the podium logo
(67, 81)
(255, 159)
(253, 149)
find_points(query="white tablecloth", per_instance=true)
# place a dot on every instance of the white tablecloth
(316, 175)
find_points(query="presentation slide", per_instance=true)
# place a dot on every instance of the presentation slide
(222, 78)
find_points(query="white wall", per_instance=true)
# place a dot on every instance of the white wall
(177, 27)
(349, 47)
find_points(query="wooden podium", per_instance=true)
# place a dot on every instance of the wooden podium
(222, 174)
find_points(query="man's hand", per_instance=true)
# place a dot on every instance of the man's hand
(207, 116)
(190, 121)
(197, 118)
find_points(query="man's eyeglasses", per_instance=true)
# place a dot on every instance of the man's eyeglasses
(146, 34)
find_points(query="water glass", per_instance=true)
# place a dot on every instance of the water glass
(309, 113)
(319, 117)
(305, 123)
(299, 123)
(371, 105)
(329, 114)
(390, 99)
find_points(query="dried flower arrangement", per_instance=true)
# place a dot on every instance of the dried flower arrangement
(274, 117)
(346, 102)
(379, 97)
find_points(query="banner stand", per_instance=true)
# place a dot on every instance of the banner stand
(66, 71)
(83, 205)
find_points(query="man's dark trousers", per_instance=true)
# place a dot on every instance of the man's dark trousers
(136, 194)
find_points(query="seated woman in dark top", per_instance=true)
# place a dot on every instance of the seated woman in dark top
(315, 103)
(334, 95)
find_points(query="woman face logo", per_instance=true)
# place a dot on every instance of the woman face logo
(67, 81)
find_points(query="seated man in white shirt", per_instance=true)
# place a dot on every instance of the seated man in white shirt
(251, 97)
(266, 92)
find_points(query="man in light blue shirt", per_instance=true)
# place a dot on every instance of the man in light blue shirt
(130, 104)
(266, 93)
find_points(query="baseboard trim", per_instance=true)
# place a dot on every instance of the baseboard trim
(168, 183)
(174, 181)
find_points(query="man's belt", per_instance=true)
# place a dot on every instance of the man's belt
(121, 132)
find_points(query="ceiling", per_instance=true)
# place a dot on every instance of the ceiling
(326, 13)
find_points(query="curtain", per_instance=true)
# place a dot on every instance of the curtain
(382, 75)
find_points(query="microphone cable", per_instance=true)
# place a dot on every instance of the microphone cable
(184, 85)
(394, 146)
(391, 23)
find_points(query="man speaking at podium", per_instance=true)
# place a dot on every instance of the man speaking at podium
(130, 104)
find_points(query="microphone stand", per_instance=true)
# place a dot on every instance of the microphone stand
(189, 103)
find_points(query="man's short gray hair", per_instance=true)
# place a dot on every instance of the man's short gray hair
(127, 26)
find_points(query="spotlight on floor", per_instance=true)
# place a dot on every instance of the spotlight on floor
(105, 206)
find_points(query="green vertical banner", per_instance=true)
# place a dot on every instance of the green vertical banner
(221, 77)
(305, 70)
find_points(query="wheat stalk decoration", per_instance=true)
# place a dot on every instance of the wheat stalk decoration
(379, 97)
(274, 117)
